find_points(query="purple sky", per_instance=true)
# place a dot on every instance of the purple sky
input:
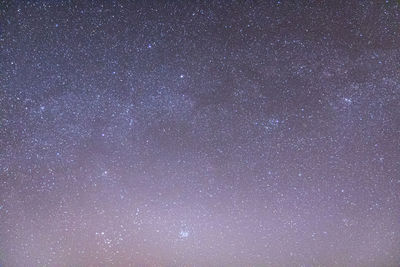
(215, 133)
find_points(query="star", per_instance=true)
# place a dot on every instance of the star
(183, 234)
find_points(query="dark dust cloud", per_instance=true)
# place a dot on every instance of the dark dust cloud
(207, 133)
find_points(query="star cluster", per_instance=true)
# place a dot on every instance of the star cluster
(208, 133)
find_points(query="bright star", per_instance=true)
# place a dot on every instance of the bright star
(183, 234)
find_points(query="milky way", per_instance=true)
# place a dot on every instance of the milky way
(182, 133)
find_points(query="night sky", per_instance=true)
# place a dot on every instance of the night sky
(207, 133)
